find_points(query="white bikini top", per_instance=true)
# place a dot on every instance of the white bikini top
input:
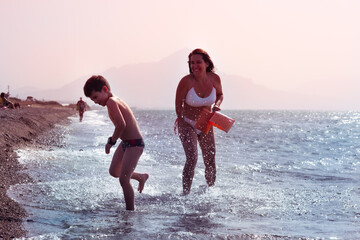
(194, 100)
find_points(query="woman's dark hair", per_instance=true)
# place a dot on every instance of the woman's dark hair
(95, 83)
(205, 57)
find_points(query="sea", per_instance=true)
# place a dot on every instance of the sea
(280, 175)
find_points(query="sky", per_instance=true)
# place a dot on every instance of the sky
(279, 44)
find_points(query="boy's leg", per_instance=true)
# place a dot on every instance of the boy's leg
(129, 162)
(207, 145)
(141, 178)
(115, 167)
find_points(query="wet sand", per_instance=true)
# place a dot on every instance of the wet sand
(20, 128)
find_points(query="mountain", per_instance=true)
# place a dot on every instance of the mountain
(153, 85)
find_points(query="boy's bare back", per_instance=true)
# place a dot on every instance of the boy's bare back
(123, 119)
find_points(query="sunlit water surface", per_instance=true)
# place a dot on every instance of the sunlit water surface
(280, 175)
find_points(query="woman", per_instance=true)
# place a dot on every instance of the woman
(200, 89)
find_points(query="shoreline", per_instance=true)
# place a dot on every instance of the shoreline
(20, 128)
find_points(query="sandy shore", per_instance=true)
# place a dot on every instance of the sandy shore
(19, 128)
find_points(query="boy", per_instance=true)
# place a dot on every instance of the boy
(127, 129)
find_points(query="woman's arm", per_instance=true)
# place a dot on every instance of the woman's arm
(181, 92)
(219, 93)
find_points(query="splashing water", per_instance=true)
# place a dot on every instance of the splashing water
(280, 175)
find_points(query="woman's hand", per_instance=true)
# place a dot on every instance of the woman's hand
(216, 108)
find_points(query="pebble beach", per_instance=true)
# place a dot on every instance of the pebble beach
(19, 128)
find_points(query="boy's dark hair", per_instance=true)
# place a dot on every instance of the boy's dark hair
(95, 83)
(2, 94)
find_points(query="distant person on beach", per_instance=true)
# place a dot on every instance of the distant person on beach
(4, 102)
(127, 129)
(81, 107)
(200, 89)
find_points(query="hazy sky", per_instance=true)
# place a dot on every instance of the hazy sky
(281, 44)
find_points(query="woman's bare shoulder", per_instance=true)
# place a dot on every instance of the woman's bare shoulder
(186, 82)
(186, 79)
(184, 86)
(214, 76)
